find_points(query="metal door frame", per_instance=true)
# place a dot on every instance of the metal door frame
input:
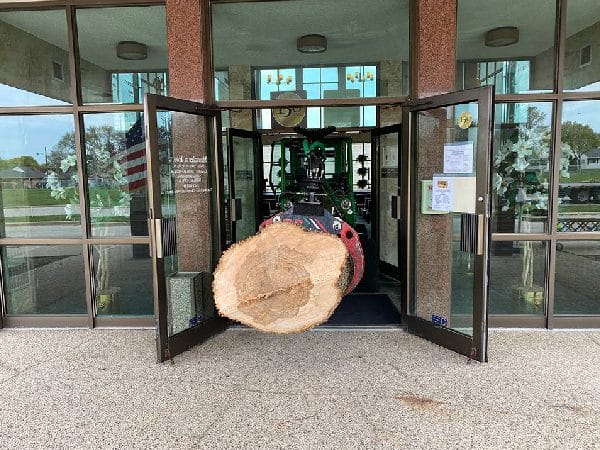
(169, 346)
(376, 134)
(476, 346)
(256, 148)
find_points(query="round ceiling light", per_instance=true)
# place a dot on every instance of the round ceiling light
(502, 36)
(312, 43)
(132, 50)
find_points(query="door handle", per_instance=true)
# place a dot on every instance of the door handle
(158, 239)
(236, 209)
(480, 233)
(395, 207)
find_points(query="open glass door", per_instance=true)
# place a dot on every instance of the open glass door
(185, 219)
(446, 182)
(245, 182)
(385, 145)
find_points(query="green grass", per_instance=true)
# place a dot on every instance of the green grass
(585, 176)
(28, 197)
(585, 207)
(40, 219)
(12, 198)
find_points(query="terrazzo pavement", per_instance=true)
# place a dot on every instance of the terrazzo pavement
(321, 389)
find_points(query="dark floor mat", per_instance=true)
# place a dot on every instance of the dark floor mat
(365, 310)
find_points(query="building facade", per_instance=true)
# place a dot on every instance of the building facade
(75, 241)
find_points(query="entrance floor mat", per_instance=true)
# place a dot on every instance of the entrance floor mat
(363, 309)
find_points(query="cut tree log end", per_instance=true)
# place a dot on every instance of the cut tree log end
(283, 280)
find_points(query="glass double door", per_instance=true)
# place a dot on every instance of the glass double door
(445, 224)
(186, 216)
(245, 181)
(442, 212)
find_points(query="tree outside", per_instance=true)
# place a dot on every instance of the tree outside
(581, 139)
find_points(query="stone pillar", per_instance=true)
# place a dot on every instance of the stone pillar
(240, 88)
(190, 59)
(434, 60)
(190, 78)
(434, 71)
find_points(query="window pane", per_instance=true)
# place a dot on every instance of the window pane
(34, 53)
(579, 189)
(116, 167)
(44, 279)
(577, 277)
(517, 277)
(122, 53)
(506, 43)
(521, 164)
(123, 275)
(358, 35)
(582, 53)
(38, 177)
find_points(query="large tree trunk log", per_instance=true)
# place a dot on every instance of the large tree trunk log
(282, 280)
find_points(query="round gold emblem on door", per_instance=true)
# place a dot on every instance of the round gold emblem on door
(465, 119)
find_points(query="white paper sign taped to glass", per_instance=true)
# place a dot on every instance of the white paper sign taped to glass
(442, 194)
(458, 157)
(454, 194)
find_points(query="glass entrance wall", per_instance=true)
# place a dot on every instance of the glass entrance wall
(545, 211)
(73, 230)
(314, 50)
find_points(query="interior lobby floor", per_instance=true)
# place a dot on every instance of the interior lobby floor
(321, 389)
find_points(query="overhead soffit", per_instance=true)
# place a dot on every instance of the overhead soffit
(100, 31)
(534, 19)
(265, 33)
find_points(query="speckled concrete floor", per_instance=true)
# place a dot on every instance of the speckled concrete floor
(323, 389)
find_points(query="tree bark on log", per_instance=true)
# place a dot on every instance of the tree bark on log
(283, 280)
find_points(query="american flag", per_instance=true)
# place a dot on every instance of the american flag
(134, 158)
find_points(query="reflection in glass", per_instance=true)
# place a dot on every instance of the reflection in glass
(516, 59)
(317, 83)
(38, 177)
(367, 52)
(579, 189)
(577, 277)
(582, 63)
(115, 151)
(443, 268)
(245, 184)
(517, 277)
(521, 164)
(188, 205)
(118, 66)
(35, 58)
(122, 275)
(43, 279)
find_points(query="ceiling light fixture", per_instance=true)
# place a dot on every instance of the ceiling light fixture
(312, 43)
(502, 37)
(132, 50)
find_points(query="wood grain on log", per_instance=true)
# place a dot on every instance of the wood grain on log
(282, 280)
